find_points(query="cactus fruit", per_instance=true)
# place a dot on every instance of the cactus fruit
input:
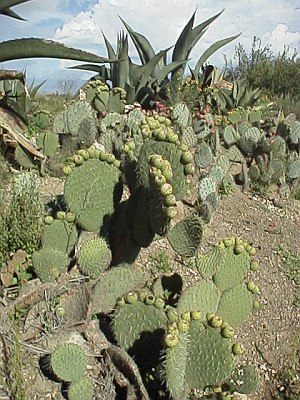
(48, 220)
(81, 389)
(68, 362)
(186, 236)
(238, 349)
(94, 257)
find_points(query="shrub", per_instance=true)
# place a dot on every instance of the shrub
(277, 75)
(25, 214)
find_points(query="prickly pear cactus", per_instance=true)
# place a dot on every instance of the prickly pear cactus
(59, 235)
(185, 237)
(89, 190)
(68, 362)
(94, 257)
(244, 379)
(181, 115)
(114, 284)
(48, 143)
(81, 389)
(69, 121)
(135, 317)
(49, 263)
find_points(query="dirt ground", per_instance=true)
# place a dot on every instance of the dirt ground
(268, 335)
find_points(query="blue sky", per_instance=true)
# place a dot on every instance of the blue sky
(80, 23)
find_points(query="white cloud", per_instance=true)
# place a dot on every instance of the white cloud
(162, 22)
(281, 35)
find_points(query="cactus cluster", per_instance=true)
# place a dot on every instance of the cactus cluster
(58, 240)
(103, 99)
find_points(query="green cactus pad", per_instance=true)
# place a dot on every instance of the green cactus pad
(68, 362)
(48, 143)
(94, 257)
(203, 155)
(210, 359)
(235, 304)
(89, 192)
(23, 157)
(113, 284)
(244, 380)
(208, 264)
(175, 367)
(131, 320)
(48, 264)
(207, 186)
(186, 236)
(82, 389)
(60, 236)
(203, 296)
(181, 115)
(232, 269)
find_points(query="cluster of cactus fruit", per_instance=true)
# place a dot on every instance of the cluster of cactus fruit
(194, 342)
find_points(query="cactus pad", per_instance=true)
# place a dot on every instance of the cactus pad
(186, 236)
(94, 257)
(68, 362)
(115, 283)
(131, 320)
(89, 192)
(48, 264)
(81, 389)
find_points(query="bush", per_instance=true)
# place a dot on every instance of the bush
(25, 214)
(276, 75)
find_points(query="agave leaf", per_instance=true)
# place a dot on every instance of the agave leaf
(130, 93)
(10, 13)
(122, 68)
(164, 72)
(34, 89)
(110, 50)
(148, 68)
(111, 54)
(35, 47)
(141, 43)
(103, 72)
(144, 49)
(180, 51)
(241, 92)
(200, 29)
(5, 8)
(212, 49)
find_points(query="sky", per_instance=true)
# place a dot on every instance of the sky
(80, 24)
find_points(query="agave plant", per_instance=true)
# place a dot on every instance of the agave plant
(146, 81)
